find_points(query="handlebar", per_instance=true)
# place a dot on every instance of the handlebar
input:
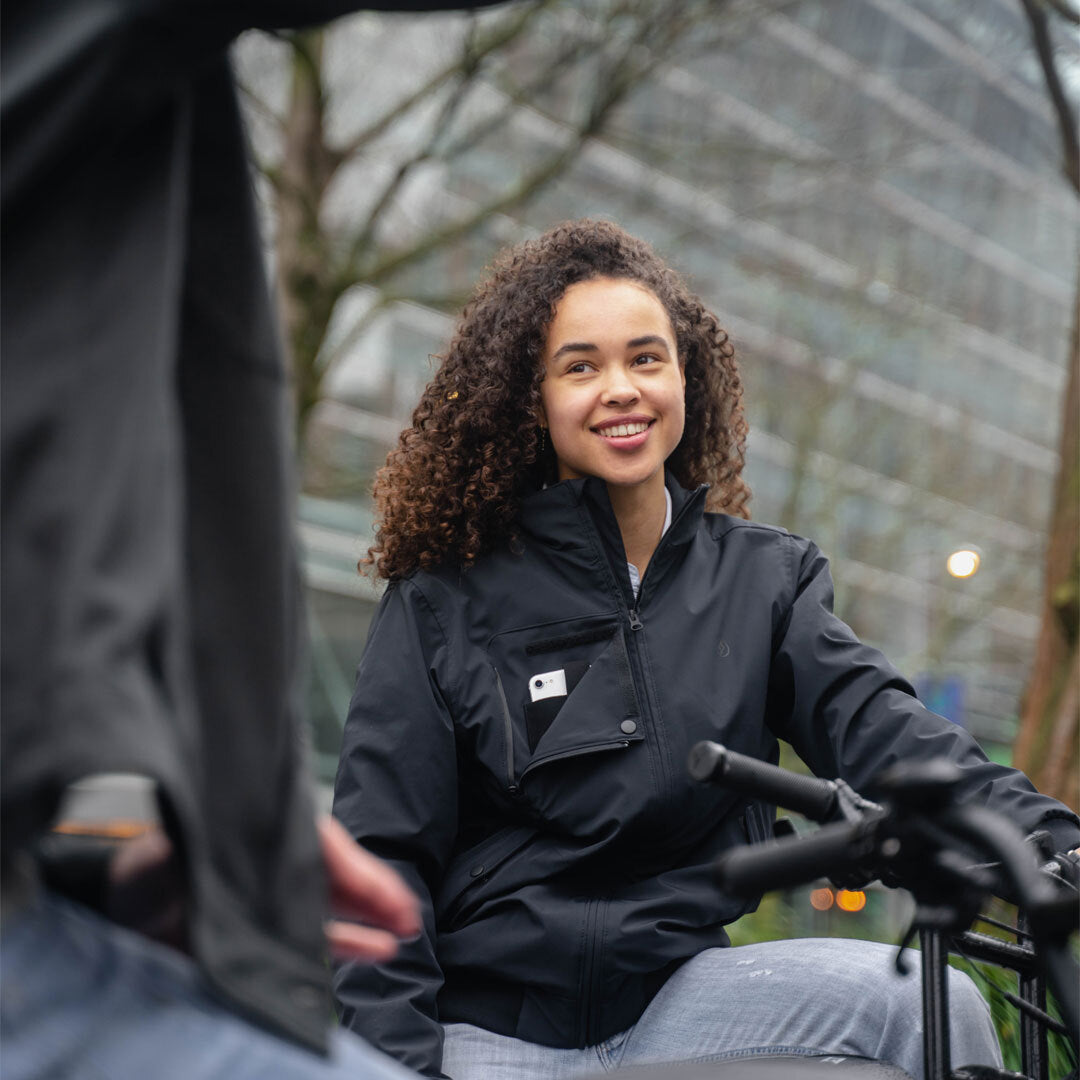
(1052, 908)
(921, 818)
(921, 838)
(835, 850)
(712, 763)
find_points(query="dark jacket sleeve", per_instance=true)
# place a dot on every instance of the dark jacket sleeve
(396, 793)
(849, 713)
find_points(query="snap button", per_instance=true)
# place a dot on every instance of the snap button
(628, 727)
(476, 871)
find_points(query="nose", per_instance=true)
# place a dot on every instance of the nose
(619, 387)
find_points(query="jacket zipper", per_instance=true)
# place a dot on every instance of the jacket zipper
(591, 1009)
(508, 732)
(636, 624)
(585, 1018)
(635, 615)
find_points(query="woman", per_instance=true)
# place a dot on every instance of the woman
(563, 622)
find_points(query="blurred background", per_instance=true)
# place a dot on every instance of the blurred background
(878, 198)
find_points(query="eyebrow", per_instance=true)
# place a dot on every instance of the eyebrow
(585, 346)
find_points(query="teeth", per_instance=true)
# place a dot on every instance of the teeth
(625, 429)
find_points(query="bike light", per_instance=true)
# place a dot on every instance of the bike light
(821, 899)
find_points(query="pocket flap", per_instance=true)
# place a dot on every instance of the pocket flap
(475, 866)
(602, 709)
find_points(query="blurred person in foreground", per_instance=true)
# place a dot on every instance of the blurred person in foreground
(150, 591)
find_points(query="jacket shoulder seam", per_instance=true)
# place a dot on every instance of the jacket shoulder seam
(431, 608)
(733, 524)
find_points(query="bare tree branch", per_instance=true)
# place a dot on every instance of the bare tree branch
(261, 107)
(612, 85)
(325, 361)
(517, 95)
(1065, 10)
(362, 238)
(1044, 50)
(502, 36)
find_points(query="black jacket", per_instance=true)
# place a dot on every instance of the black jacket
(565, 869)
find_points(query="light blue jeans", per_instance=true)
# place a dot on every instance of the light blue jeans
(83, 999)
(813, 996)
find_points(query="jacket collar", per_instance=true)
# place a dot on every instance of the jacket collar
(559, 515)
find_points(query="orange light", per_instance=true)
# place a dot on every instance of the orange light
(821, 899)
(849, 900)
(116, 829)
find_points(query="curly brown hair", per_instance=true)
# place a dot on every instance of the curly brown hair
(453, 486)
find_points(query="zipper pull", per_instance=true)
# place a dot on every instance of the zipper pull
(635, 621)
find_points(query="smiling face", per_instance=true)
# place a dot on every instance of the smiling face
(613, 387)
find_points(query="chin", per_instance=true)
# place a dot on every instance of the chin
(623, 479)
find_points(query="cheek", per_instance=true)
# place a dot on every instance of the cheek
(563, 411)
(678, 396)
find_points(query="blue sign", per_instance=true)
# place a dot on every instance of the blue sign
(943, 694)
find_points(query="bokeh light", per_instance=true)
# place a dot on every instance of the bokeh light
(850, 900)
(963, 563)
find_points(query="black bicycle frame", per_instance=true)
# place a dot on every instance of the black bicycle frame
(1034, 1050)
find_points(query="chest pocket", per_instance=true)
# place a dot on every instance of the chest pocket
(567, 690)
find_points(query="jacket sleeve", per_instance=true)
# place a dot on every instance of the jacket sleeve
(849, 713)
(396, 793)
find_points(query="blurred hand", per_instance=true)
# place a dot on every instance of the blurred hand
(146, 890)
(364, 888)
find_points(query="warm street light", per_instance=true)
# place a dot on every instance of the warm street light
(963, 563)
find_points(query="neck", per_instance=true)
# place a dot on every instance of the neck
(640, 511)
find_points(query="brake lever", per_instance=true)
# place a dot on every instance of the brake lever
(1064, 867)
(950, 873)
(853, 808)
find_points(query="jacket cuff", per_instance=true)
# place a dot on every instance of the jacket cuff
(1063, 830)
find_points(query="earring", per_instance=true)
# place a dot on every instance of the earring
(543, 441)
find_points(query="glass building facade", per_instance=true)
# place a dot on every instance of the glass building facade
(869, 195)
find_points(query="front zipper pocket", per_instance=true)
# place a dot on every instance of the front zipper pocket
(508, 734)
(591, 961)
(472, 869)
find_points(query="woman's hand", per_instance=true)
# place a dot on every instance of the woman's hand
(363, 887)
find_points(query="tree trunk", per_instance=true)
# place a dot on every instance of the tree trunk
(1047, 744)
(306, 288)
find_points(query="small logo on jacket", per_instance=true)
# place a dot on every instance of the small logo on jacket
(722, 648)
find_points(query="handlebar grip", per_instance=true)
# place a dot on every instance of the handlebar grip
(712, 763)
(780, 864)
